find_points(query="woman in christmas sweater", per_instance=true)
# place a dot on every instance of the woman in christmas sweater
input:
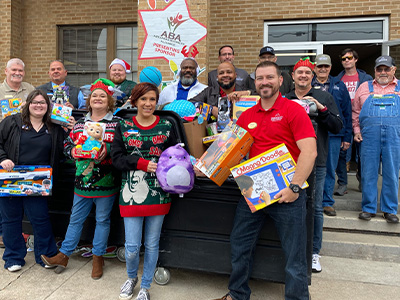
(95, 182)
(137, 146)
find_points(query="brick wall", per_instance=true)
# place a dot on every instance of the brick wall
(241, 23)
(33, 28)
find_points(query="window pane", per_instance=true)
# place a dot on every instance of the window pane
(130, 56)
(100, 39)
(124, 37)
(69, 40)
(70, 61)
(289, 33)
(349, 31)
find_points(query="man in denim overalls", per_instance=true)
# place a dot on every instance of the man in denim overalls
(376, 123)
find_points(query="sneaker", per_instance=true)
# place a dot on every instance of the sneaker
(14, 268)
(143, 294)
(316, 265)
(341, 190)
(127, 289)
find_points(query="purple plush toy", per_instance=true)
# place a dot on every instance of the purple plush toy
(175, 171)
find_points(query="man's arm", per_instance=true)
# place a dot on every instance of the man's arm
(305, 164)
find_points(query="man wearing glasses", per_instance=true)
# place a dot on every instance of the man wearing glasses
(376, 119)
(227, 54)
(352, 78)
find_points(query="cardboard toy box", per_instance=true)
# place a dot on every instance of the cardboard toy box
(90, 142)
(263, 176)
(243, 104)
(10, 106)
(226, 151)
(60, 114)
(26, 181)
(194, 135)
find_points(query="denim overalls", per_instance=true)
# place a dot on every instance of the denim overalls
(380, 130)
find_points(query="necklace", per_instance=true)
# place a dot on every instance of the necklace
(39, 127)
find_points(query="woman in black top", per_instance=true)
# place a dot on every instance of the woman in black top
(29, 138)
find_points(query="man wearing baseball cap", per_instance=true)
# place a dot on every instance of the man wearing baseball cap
(118, 70)
(376, 119)
(267, 53)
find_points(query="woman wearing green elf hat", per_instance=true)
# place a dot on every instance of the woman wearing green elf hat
(94, 181)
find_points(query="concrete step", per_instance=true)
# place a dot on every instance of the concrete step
(349, 221)
(361, 246)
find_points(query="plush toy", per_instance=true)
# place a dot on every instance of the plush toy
(91, 141)
(175, 171)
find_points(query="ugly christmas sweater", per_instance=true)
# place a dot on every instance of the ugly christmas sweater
(133, 148)
(94, 178)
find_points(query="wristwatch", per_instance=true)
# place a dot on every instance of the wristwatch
(295, 188)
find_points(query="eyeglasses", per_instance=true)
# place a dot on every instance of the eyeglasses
(323, 66)
(38, 103)
(344, 58)
(382, 69)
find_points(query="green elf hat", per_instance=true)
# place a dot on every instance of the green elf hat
(103, 84)
(304, 62)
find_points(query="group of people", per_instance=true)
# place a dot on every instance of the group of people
(351, 104)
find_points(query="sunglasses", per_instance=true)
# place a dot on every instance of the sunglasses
(344, 58)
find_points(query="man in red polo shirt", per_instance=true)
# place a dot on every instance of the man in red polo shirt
(275, 120)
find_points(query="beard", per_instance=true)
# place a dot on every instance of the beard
(227, 86)
(383, 80)
(268, 93)
(117, 80)
(187, 81)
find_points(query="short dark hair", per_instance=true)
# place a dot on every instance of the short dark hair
(229, 46)
(244, 181)
(265, 64)
(142, 88)
(349, 50)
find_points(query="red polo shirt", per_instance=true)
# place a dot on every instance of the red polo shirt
(285, 122)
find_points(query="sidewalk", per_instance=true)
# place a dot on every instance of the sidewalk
(340, 279)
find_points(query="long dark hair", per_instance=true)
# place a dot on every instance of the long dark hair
(142, 88)
(25, 114)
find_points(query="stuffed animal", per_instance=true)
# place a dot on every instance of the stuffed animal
(91, 141)
(175, 171)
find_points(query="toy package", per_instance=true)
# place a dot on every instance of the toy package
(60, 95)
(230, 147)
(90, 142)
(60, 114)
(263, 176)
(26, 181)
(10, 106)
(243, 104)
(224, 113)
(203, 110)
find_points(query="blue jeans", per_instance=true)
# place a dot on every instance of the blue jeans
(133, 239)
(80, 210)
(380, 144)
(1, 226)
(331, 164)
(320, 173)
(290, 222)
(12, 211)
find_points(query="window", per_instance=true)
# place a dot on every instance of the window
(88, 50)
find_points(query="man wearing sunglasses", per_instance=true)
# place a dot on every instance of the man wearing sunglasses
(352, 78)
(376, 119)
(342, 140)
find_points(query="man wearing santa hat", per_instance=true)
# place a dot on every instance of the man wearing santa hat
(118, 70)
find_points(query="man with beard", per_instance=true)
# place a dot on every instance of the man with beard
(118, 70)
(328, 121)
(275, 120)
(227, 54)
(13, 86)
(187, 87)
(226, 76)
(58, 73)
(376, 119)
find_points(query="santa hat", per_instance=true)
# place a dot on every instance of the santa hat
(123, 63)
(103, 84)
(304, 62)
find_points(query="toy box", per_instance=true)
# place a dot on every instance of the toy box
(60, 114)
(204, 111)
(224, 113)
(10, 106)
(226, 151)
(60, 95)
(194, 135)
(263, 176)
(243, 104)
(90, 142)
(26, 181)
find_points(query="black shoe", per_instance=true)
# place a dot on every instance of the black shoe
(366, 216)
(329, 211)
(391, 218)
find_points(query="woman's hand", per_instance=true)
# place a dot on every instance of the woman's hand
(71, 122)
(7, 164)
(73, 152)
(102, 153)
(152, 167)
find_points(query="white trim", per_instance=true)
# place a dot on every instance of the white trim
(386, 46)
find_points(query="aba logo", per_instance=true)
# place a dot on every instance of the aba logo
(174, 23)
